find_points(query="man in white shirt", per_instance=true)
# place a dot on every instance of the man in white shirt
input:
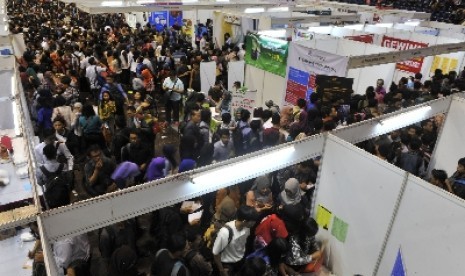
(91, 73)
(69, 250)
(229, 247)
(61, 148)
(223, 149)
(174, 88)
(203, 44)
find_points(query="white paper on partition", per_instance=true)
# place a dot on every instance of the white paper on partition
(207, 75)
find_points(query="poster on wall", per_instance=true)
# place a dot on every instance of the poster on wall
(361, 38)
(302, 35)
(334, 89)
(446, 64)
(175, 18)
(160, 19)
(412, 65)
(245, 99)
(306, 65)
(267, 53)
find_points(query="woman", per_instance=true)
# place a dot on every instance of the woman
(274, 256)
(291, 194)
(260, 196)
(138, 99)
(107, 110)
(125, 174)
(125, 72)
(91, 126)
(156, 169)
(186, 165)
(171, 164)
(44, 115)
(194, 82)
(147, 78)
(116, 67)
(62, 110)
(64, 135)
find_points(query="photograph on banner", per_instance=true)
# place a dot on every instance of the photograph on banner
(243, 98)
(267, 53)
(412, 65)
(334, 90)
(306, 65)
(158, 19)
(361, 38)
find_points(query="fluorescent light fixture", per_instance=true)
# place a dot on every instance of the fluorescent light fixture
(406, 118)
(384, 25)
(222, 1)
(278, 9)
(111, 3)
(357, 27)
(412, 23)
(16, 118)
(254, 10)
(273, 33)
(241, 169)
(189, 1)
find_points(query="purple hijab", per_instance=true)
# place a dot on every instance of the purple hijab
(155, 169)
(186, 165)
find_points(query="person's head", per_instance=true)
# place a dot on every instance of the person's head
(194, 236)
(276, 250)
(88, 111)
(276, 119)
(196, 116)
(177, 244)
(59, 123)
(461, 166)
(59, 101)
(415, 144)
(134, 136)
(94, 153)
(106, 96)
(255, 266)
(247, 215)
(131, 111)
(302, 103)
(123, 260)
(205, 115)
(383, 150)
(427, 126)
(236, 85)
(110, 79)
(438, 177)
(263, 185)
(226, 118)
(173, 75)
(50, 151)
(224, 136)
(245, 115)
(380, 83)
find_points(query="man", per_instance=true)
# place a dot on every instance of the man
(173, 88)
(98, 171)
(192, 129)
(223, 149)
(412, 160)
(457, 180)
(61, 149)
(137, 152)
(168, 260)
(229, 247)
(92, 71)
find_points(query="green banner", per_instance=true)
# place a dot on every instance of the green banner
(266, 53)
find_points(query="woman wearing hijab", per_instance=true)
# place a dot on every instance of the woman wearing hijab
(123, 262)
(291, 194)
(186, 165)
(124, 174)
(260, 196)
(156, 169)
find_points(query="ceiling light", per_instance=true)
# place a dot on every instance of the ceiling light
(254, 10)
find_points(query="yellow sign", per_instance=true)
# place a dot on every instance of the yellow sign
(323, 217)
(445, 64)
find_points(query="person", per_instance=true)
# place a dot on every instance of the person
(106, 111)
(274, 257)
(194, 82)
(412, 160)
(260, 196)
(136, 151)
(92, 71)
(271, 227)
(61, 149)
(124, 175)
(91, 126)
(204, 126)
(438, 179)
(224, 148)
(156, 169)
(70, 250)
(98, 171)
(192, 130)
(229, 247)
(457, 180)
(173, 88)
(63, 135)
(291, 195)
(123, 262)
(168, 260)
(193, 258)
(61, 110)
(254, 266)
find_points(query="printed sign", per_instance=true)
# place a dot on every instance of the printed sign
(361, 38)
(244, 99)
(266, 53)
(412, 65)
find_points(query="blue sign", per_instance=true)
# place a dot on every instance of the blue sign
(159, 19)
(398, 269)
(298, 76)
(175, 18)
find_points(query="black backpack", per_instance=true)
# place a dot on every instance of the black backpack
(116, 94)
(238, 140)
(56, 187)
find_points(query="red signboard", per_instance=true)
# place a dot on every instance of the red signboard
(361, 38)
(412, 65)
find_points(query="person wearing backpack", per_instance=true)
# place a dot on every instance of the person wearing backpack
(93, 72)
(242, 133)
(194, 256)
(168, 261)
(229, 247)
(53, 179)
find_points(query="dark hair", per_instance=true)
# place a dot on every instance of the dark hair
(59, 119)
(223, 131)
(50, 151)
(226, 118)
(176, 243)
(415, 143)
(93, 148)
(88, 111)
(247, 213)
(266, 114)
(59, 101)
(168, 153)
(275, 118)
(205, 115)
(192, 232)
(440, 175)
(384, 150)
(253, 266)
(131, 108)
(245, 115)
(301, 103)
(461, 161)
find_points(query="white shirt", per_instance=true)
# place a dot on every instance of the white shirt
(71, 249)
(92, 76)
(132, 62)
(235, 251)
(62, 149)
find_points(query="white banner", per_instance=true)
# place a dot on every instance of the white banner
(316, 61)
(235, 73)
(207, 75)
(244, 99)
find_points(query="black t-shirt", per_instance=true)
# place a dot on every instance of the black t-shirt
(164, 264)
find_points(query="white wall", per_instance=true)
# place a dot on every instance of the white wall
(269, 86)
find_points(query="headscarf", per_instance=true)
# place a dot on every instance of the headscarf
(226, 211)
(155, 169)
(123, 261)
(292, 185)
(261, 183)
(186, 165)
(146, 76)
(124, 171)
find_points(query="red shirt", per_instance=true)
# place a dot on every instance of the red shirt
(271, 227)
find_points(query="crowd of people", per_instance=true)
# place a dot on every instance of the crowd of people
(102, 96)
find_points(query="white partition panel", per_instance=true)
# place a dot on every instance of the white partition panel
(449, 147)
(274, 87)
(329, 45)
(429, 229)
(254, 80)
(361, 190)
